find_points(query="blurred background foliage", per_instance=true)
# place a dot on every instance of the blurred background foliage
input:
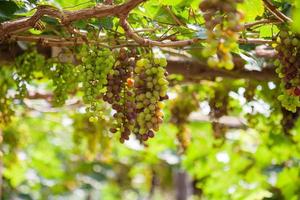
(59, 154)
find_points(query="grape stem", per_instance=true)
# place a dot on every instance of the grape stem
(261, 22)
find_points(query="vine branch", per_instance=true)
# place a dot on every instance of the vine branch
(8, 28)
(279, 15)
(193, 70)
(47, 40)
(148, 42)
(65, 17)
(261, 22)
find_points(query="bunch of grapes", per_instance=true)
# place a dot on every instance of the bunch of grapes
(136, 89)
(222, 21)
(28, 67)
(218, 105)
(219, 129)
(151, 87)
(288, 62)
(289, 120)
(96, 65)
(120, 93)
(218, 108)
(94, 135)
(182, 106)
(5, 108)
(65, 77)
(5, 102)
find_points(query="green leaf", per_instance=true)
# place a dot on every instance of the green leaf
(106, 23)
(75, 4)
(170, 2)
(7, 9)
(252, 9)
(268, 31)
(296, 17)
(155, 12)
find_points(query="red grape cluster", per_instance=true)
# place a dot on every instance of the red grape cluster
(120, 93)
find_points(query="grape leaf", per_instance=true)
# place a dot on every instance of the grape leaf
(252, 9)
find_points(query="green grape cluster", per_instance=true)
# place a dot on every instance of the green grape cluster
(5, 102)
(223, 22)
(182, 106)
(28, 67)
(219, 107)
(288, 62)
(151, 87)
(65, 78)
(219, 104)
(95, 136)
(96, 64)
(290, 102)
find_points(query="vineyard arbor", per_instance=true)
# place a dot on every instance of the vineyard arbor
(150, 99)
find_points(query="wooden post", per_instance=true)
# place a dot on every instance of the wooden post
(183, 185)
